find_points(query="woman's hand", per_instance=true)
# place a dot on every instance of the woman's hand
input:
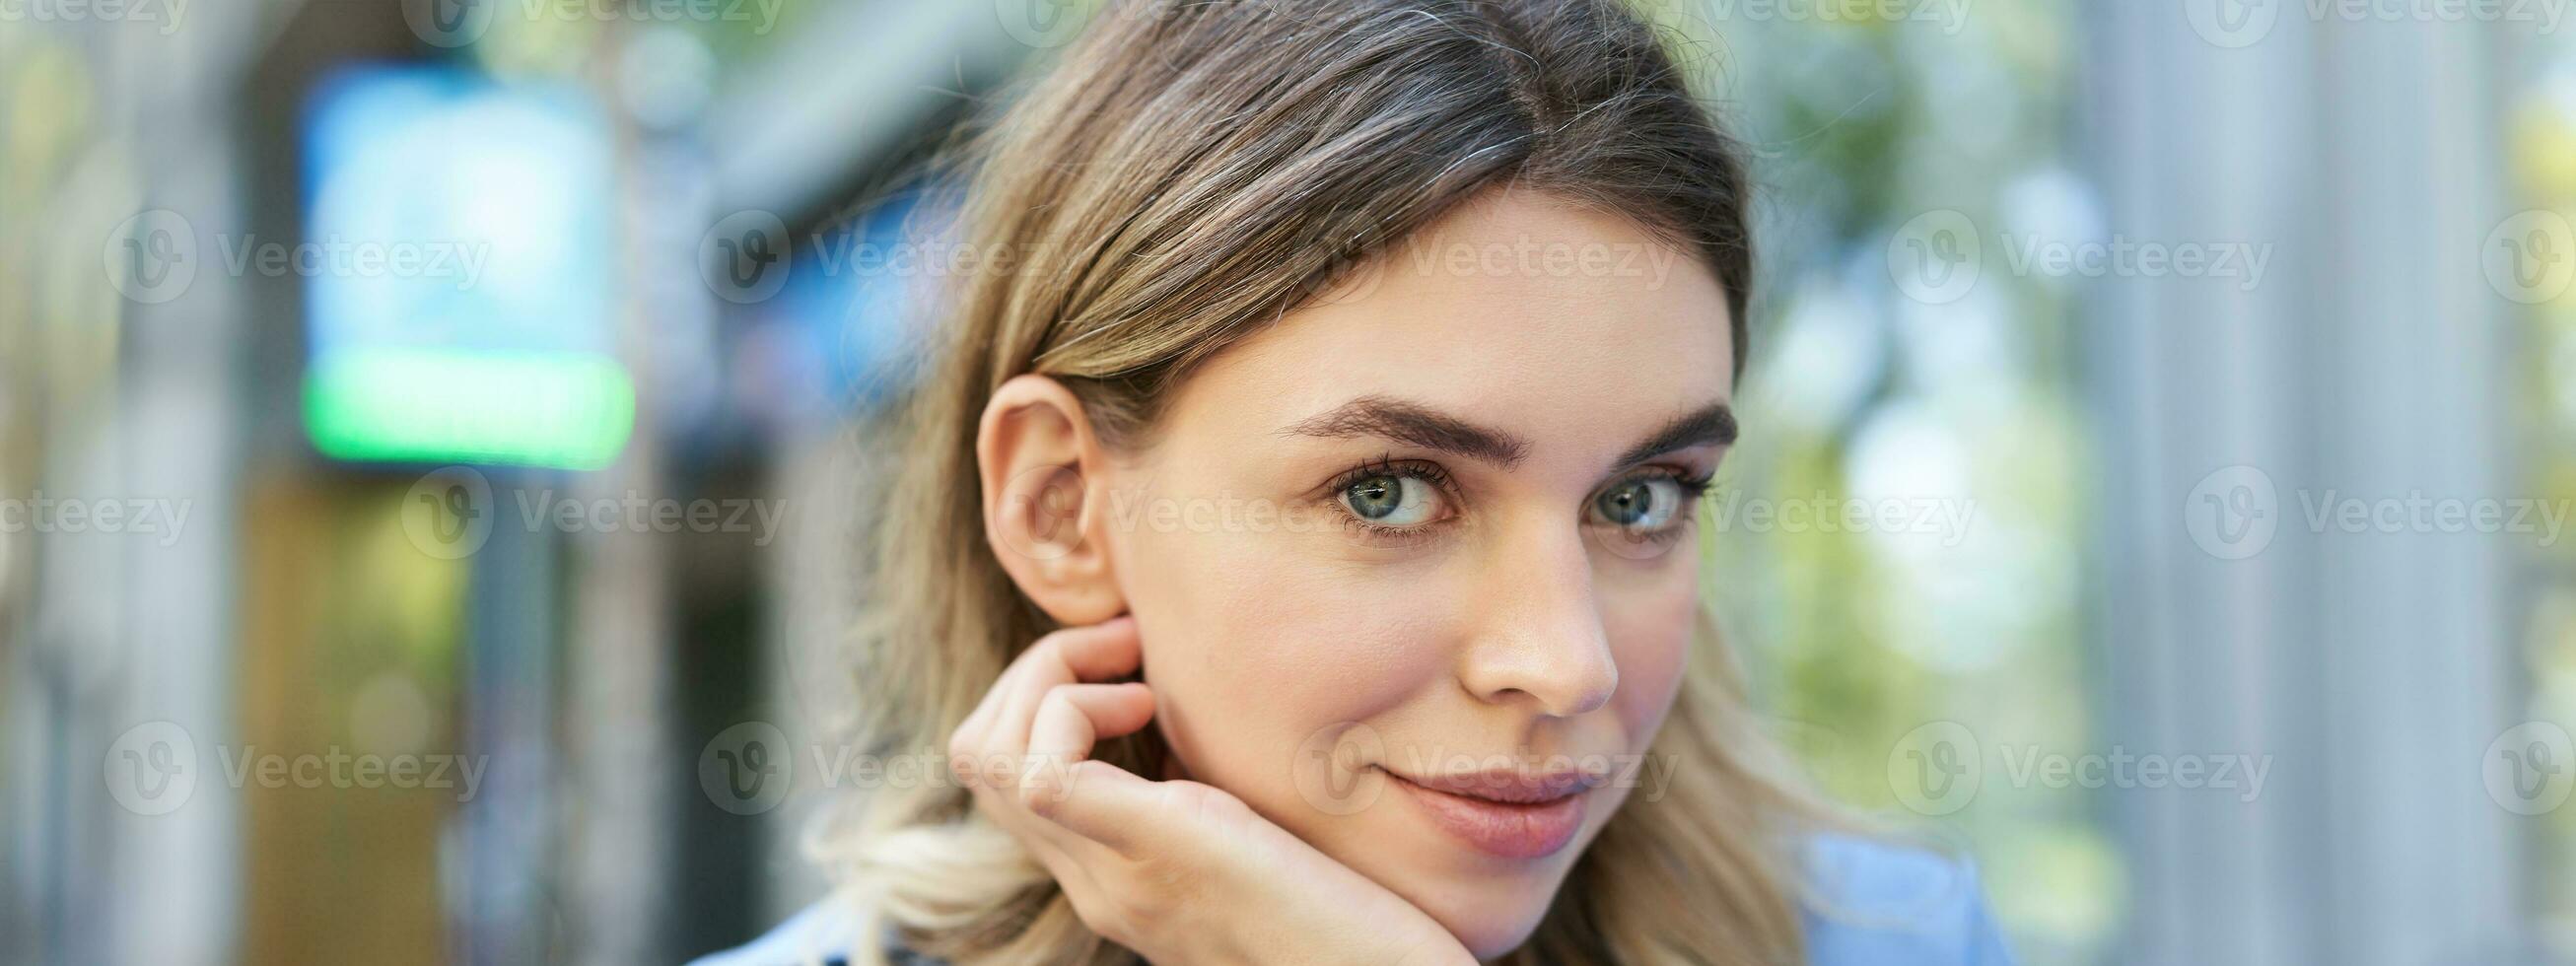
(1178, 871)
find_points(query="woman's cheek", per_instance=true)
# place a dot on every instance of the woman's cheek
(1650, 624)
(1325, 643)
(1252, 646)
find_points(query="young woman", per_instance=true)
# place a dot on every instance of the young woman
(1292, 548)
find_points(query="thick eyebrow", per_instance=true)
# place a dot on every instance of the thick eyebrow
(1713, 423)
(1414, 425)
(1422, 426)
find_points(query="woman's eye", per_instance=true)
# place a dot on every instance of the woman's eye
(1646, 503)
(1392, 500)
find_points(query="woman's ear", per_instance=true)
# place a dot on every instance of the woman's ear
(1046, 499)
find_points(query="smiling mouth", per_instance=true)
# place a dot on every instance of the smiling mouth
(1506, 815)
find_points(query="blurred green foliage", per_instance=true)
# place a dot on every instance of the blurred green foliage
(1858, 395)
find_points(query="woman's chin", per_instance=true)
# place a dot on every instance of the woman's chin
(1490, 915)
(1490, 933)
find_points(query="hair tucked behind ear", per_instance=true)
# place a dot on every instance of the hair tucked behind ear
(1187, 173)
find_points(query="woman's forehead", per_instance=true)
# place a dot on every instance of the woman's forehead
(1495, 312)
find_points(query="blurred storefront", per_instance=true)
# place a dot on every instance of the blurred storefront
(498, 413)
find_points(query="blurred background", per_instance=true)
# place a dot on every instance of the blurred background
(424, 453)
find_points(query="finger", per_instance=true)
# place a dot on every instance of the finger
(1071, 860)
(1103, 803)
(1097, 652)
(1100, 651)
(1074, 717)
(1094, 651)
(966, 744)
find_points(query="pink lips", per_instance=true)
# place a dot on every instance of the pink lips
(1509, 815)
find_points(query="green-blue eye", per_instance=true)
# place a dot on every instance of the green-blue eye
(1643, 503)
(1392, 500)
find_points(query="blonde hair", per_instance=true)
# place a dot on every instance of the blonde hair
(1186, 174)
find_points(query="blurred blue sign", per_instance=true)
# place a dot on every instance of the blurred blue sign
(459, 267)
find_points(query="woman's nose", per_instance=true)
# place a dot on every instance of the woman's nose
(1541, 640)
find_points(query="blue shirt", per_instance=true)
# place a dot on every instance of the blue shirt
(1870, 903)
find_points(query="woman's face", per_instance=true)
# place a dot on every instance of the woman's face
(1413, 567)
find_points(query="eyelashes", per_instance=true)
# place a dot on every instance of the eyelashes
(1366, 505)
(1407, 502)
(1387, 465)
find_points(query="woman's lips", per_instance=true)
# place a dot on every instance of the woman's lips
(1511, 816)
